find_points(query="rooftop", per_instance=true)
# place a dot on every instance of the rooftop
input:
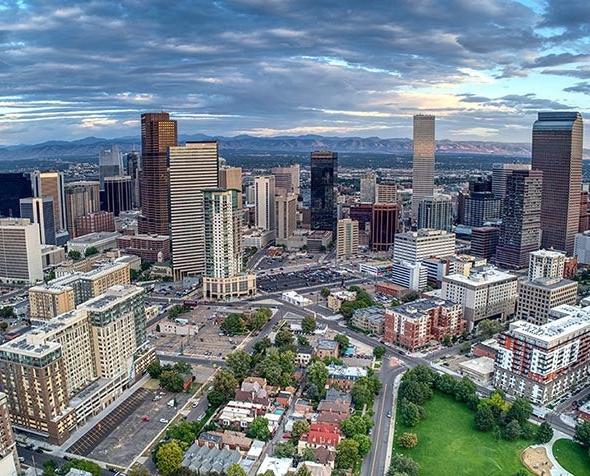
(549, 283)
(420, 306)
(94, 237)
(112, 296)
(481, 275)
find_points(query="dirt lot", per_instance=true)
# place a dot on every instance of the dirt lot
(537, 461)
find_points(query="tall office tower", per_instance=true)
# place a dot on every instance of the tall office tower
(110, 164)
(414, 246)
(132, 168)
(287, 178)
(436, 213)
(82, 198)
(51, 184)
(479, 205)
(484, 240)
(584, 221)
(40, 211)
(286, 215)
(194, 167)
(520, 232)
(557, 152)
(544, 362)
(546, 264)
(158, 132)
(386, 192)
(13, 187)
(423, 161)
(368, 187)
(118, 194)
(9, 462)
(385, 223)
(500, 173)
(265, 202)
(223, 277)
(230, 178)
(324, 173)
(20, 251)
(347, 241)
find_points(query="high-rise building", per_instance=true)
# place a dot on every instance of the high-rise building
(385, 222)
(324, 173)
(500, 174)
(423, 161)
(194, 167)
(413, 276)
(82, 198)
(544, 362)
(546, 264)
(230, 178)
(582, 247)
(265, 202)
(557, 152)
(536, 298)
(132, 169)
(47, 301)
(368, 187)
(9, 462)
(347, 240)
(479, 206)
(158, 132)
(118, 194)
(51, 185)
(286, 215)
(223, 278)
(414, 246)
(13, 187)
(110, 164)
(436, 213)
(20, 251)
(386, 192)
(40, 211)
(584, 221)
(287, 179)
(520, 232)
(484, 240)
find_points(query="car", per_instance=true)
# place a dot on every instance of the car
(145, 418)
(164, 420)
(388, 414)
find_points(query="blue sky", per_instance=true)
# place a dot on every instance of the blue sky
(284, 67)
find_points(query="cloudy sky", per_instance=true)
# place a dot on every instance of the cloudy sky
(275, 67)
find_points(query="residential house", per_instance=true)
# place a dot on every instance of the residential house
(327, 348)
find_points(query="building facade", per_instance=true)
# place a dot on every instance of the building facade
(536, 298)
(20, 251)
(436, 213)
(368, 187)
(40, 212)
(51, 185)
(546, 264)
(13, 187)
(324, 173)
(423, 159)
(286, 215)
(82, 198)
(287, 179)
(118, 194)
(95, 222)
(265, 217)
(385, 222)
(414, 246)
(347, 240)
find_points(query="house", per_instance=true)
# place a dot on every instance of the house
(325, 456)
(285, 397)
(320, 434)
(253, 390)
(344, 377)
(303, 407)
(303, 356)
(279, 466)
(334, 407)
(232, 440)
(239, 415)
(335, 395)
(315, 469)
(206, 460)
(326, 348)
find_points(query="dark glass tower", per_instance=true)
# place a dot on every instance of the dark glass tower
(324, 171)
(13, 187)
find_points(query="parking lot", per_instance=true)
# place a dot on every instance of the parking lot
(297, 279)
(126, 431)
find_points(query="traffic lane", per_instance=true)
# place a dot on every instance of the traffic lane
(40, 458)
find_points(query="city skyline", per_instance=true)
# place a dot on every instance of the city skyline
(263, 68)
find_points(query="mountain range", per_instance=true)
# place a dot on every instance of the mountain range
(90, 146)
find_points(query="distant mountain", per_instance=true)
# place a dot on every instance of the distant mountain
(90, 146)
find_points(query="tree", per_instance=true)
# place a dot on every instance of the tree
(484, 417)
(302, 340)
(409, 413)
(487, 328)
(464, 389)
(379, 352)
(285, 449)
(224, 388)
(308, 455)
(278, 367)
(325, 292)
(258, 319)
(7, 312)
(82, 464)
(361, 394)
(512, 430)
(303, 471)
(407, 440)
(582, 434)
(343, 341)
(356, 425)
(168, 457)
(299, 428)
(284, 337)
(49, 468)
(233, 325)
(445, 383)
(235, 470)
(138, 470)
(520, 410)
(183, 431)
(347, 454)
(317, 374)
(3, 326)
(75, 255)
(259, 429)
(90, 251)
(171, 381)
(364, 443)
(415, 391)
(403, 464)
(308, 325)
(544, 433)
(240, 363)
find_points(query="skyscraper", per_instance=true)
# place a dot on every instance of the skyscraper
(193, 168)
(40, 211)
(557, 152)
(368, 187)
(265, 202)
(324, 173)
(51, 184)
(118, 194)
(286, 215)
(13, 187)
(110, 164)
(384, 225)
(347, 242)
(287, 178)
(520, 233)
(230, 178)
(82, 198)
(480, 205)
(436, 212)
(500, 173)
(423, 162)
(133, 170)
(158, 132)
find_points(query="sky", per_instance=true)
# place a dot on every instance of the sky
(70, 69)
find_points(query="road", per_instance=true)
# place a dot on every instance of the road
(35, 460)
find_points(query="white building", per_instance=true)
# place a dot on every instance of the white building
(582, 247)
(265, 202)
(20, 251)
(295, 298)
(368, 187)
(546, 264)
(413, 276)
(415, 246)
(487, 293)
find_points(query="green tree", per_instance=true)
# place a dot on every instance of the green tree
(415, 391)
(240, 363)
(299, 428)
(317, 374)
(325, 292)
(285, 449)
(258, 319)
(343, 341)
(233, 325)
(356, 425)
(75, 255)
(171, 381)
(409, 413)
(407, 440)
(582, 434)
(138, 470)
(278, 367)
(303, 471)
(302, 340)
(284, 337)
(488, 328)
(347, 454)
(3, 326)
(379, 352)
(259, 429)
(90, 251)
(544, 433)
(361, 394)
(168, 457)
(235, 470)
(445, 383)
(464, 389)
(308, 325)
(364, 443)
(224, 388)
(484, 417)
(512, 430)
(82, 464)
(49, 468)
(183, 431)
(520, 410)
(401, 464)
(7, 312)
(308, 455)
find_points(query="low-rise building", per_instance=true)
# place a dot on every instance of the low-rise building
(206, 460)
(327, 348)
(375, 268)
(293, 297)
(336, 298)
(369, 319)
(480, 369)
(344, 377)
(536, 298)
(150, 248)
(413, 276)
(320, 435)
(101, 241)
(258, 238)
(304, 355)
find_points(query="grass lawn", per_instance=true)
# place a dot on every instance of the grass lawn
(572, 457)
(449, 444)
